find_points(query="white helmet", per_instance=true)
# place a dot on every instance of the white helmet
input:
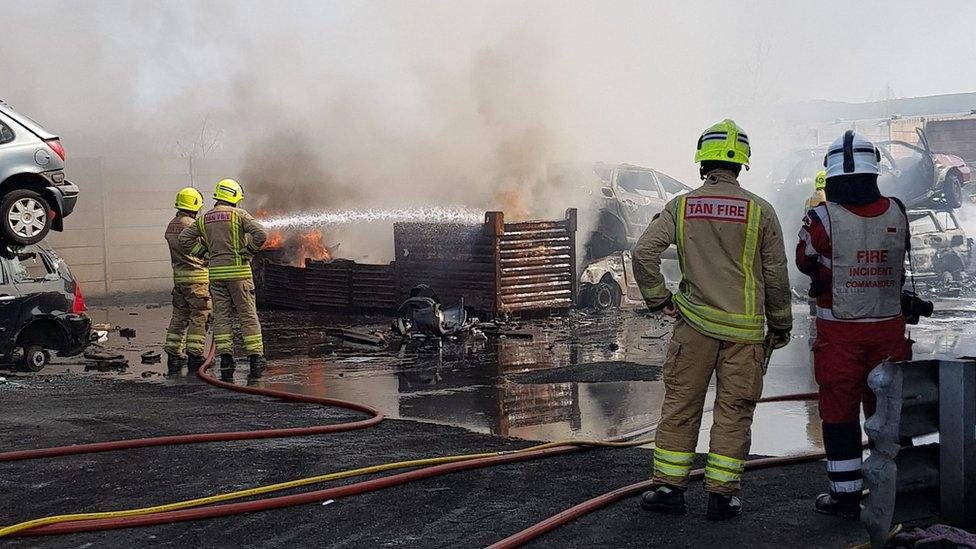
(850, 154)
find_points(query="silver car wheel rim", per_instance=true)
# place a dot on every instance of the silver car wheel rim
(27, 218)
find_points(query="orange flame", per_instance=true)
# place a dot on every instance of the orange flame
(311, 246)
(275, 240)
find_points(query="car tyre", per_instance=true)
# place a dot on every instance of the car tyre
(605, 296)
(24, 217)
(35, 358)
(952, 189)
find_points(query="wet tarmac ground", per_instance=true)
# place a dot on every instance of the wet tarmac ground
(585, 376)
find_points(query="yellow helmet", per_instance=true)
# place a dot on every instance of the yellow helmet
(189, 199)
(726, 142)
(229, 190)
(820, 183)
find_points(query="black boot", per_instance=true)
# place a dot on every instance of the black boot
(846, 507)
(257, 366)
(665, 499)
(722, 507)
(227, 367)
(173, 364)
(193, 363)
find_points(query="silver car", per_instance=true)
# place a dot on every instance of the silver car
(35, 197)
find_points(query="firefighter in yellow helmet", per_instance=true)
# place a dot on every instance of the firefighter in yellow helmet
(228, 237)
(734, 286)
(191, 293)
(819, 195)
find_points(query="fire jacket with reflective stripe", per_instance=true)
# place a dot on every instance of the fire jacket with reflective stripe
(814, 253)
(732, 257)
(187, 269)
(227, 237)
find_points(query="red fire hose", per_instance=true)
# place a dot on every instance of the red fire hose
(614, 496)
(216, 437)
(341, 491)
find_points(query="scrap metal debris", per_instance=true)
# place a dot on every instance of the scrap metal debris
(102, 360)
(357, 336)
(422, 312)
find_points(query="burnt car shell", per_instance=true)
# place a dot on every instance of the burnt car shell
(940, 248)
(913, 173)
(609, 282)
(38, 297)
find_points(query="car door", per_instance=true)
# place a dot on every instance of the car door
(10, 307)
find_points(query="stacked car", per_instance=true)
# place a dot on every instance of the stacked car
(41, 304)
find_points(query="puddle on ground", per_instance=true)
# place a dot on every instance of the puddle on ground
(587, 376)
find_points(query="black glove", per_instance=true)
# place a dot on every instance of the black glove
(779, 338)
(661, 306)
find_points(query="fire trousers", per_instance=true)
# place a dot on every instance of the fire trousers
(844, 353)
(692, 359)
(233, 301)
(191, 311)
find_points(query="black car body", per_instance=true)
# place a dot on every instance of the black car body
(41, 308)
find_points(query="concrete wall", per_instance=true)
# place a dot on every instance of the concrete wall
(113, 241)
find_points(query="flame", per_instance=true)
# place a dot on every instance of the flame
(511, 202)
(275, 240)
(311, 246)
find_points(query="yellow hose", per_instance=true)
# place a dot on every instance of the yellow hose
(186, 504)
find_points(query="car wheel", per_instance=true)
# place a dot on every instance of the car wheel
(952, 189)
(35, 358)
(25, 217)
(605, 296)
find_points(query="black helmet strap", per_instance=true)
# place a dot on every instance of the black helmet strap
(849, 151)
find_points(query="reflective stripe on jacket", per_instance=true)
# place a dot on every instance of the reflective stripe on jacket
(732, 257)
(228, 237)
(187, 269)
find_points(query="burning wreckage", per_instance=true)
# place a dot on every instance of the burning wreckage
(493, 269)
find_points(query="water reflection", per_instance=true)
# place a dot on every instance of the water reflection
(479, 384)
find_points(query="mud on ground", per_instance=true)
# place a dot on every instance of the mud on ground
(470, 509)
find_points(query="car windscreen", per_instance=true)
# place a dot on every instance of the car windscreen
(948, 222)
(924, 224)
(638, 182)
(671, 185)
(31, 266)
(902, 154)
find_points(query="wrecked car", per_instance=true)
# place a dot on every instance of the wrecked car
(915, 174)
(622, 199)
(41, 308)
(921, 177)
(941, 252)
(609, 282)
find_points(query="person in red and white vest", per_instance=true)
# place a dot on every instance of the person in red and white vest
(853, 249)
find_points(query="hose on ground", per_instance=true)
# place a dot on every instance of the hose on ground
(375, 418)
(35, 526)
(191, 510)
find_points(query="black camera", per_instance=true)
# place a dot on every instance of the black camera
(914, 307)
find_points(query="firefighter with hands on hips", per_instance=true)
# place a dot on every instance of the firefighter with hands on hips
(228, 237)
(734, 284)
(853, 248)
(191, 291)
